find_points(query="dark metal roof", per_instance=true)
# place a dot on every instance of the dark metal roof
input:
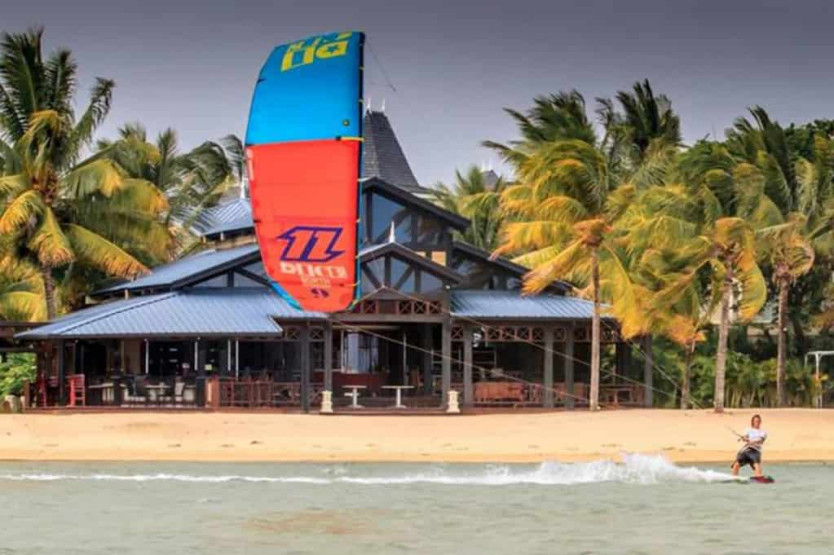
(189, 269)
(504, 263)
(383, 157)
(227, 217)
(187, 313)
(397, 193)
(513, 305)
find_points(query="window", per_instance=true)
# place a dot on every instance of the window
(386, 211)
(243, 281)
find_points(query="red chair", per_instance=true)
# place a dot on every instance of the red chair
(77, 391)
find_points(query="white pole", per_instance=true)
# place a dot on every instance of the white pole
(228, 355)
(147, 356)
(196, 352)
(237, 358)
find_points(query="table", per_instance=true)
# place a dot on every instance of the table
(107, 392)
(399, 390)
(156, 392)
(354, 395)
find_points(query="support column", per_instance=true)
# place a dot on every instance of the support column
(446, 354)
(328, 356)
(569, 398)
(62, 374)
(305, 367)
(547, 398)
(200, 369)
(468, 390)
(427, 346)
(648, 370)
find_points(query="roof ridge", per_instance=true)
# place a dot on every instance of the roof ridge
(149, 300)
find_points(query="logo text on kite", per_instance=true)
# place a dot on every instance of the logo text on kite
(310, 244)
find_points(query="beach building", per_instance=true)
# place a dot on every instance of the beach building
(435, 315)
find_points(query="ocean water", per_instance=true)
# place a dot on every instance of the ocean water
(643, 504)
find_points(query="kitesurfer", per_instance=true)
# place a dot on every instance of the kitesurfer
(753, 438)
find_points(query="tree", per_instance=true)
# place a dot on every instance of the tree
(563, 211)
(572, 187)
(797, 170)
(60, 209)
(476, 196)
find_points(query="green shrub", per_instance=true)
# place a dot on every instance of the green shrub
(14, 370)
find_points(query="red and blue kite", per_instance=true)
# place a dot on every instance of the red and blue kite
(304, 149)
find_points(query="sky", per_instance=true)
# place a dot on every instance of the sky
(446, 68)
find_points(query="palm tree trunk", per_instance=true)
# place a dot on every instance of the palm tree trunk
(593, 401)
(690, 351)
(723, 333)
(49, 291)
(781, 352)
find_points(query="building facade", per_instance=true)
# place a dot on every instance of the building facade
(435, 315)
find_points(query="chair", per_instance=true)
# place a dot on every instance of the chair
(77, 391)
(136, 390)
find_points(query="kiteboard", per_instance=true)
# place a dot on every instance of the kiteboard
(761, 479)
(303, 155)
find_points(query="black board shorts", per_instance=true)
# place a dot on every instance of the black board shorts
(749, 456)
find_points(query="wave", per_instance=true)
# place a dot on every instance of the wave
(633, 469)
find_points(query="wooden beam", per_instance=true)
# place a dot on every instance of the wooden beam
(427, 346)
(648, 370)
(569, 399)
(62, 374)
(305, 367)
(446, 353)
(468, 390)
(547, 397)
(328, 356)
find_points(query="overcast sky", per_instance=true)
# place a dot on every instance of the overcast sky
(454, 64)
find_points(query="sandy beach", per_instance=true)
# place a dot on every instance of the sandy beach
(692, 436)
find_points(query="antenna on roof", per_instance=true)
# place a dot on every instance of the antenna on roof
(369, 106)
(382, 108)
(244, 184)
(392, 234)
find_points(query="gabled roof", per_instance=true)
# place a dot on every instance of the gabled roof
(189, 269)
(480, 303)
(187, 313)
(227, 217)
(387, 189)
(504, 263)
(373, 252)
(383, 157)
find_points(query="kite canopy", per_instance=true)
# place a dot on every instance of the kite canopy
(303, 148)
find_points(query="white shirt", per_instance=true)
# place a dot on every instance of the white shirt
(754, 434)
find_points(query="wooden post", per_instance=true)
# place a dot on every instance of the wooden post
(648, 370)
(569, 398)
(305, 367)
(328, 356)
(427, 361)
(468, 390)
(147, 357)
(446, 353)
(62, 371)
(547, 397)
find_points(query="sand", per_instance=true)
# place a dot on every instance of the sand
(692, 436)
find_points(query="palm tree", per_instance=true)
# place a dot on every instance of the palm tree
(572, 189)
(59, 208)
(802, 190)
(476, 196)
(562, 214)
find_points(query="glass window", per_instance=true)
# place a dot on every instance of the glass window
(398, 269)
(219, 281)
(256, 268)
(243, 281)
(360, 353)
(429, 231)
(429, 283)
(385, 212)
